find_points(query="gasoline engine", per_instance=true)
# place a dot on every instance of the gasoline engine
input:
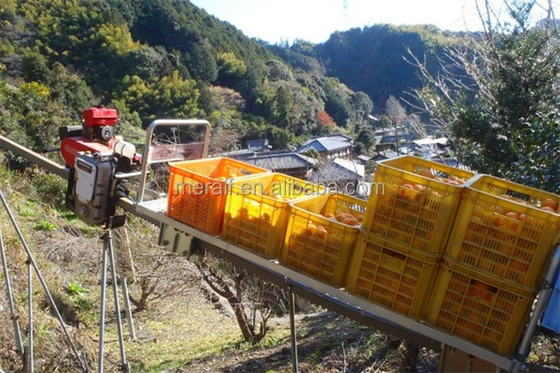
(98, 161)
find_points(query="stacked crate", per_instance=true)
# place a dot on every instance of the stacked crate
(258, 209)
(198, 190)
(500, 244)
(503, 229)
(414, 201)
(321, 235)
(408, 219)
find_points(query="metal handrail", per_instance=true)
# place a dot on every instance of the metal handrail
(149, 149)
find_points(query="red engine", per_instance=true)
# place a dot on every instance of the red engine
(94, 156)
(96, 135)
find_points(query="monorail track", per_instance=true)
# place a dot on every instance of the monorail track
(329, 297)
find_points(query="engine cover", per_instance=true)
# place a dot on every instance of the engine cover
(93, 179)
(71, 146)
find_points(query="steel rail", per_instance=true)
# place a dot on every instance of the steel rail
(34, 157)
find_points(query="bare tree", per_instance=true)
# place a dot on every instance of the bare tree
(394, 110)
(252, 299)
(496, 96)
(397, 114)
(159, 274)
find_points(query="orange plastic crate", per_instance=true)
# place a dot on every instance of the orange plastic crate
(480, 308)
(258, 209)
(412, 204)
(319, 246)
(514, 247)
(198, 190)
(392, 275)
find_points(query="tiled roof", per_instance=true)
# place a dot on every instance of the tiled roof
(332, 172)
(352, 166)
(335, 137)
(282, 161)
(323, 145)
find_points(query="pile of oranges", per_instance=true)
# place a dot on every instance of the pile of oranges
(316, 230)
(347, 218)
(546, 204)
(413, 191)
(450, 179)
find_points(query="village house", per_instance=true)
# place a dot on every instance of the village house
(330, 147)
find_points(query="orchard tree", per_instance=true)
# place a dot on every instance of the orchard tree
(394, 110)
(497, 96)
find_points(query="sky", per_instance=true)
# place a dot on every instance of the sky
(278, 21)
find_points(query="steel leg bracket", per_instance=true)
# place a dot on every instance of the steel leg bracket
(175, 241)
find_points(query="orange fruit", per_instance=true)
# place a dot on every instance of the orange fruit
(549, 202)
(340, 216)
(481, 291)
(548, 209)
(497, 221)
(321, 232)
(513, 215)
(350, 221)
(482, 285)
(311, 228)
(405, 190)
(243, 213)
(427, 173)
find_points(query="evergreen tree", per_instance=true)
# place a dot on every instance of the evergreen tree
(503, 119)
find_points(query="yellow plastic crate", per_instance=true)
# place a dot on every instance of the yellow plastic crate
(258, 209)
(392, 275)
(413, 202)
(318, 244)
(198, 190)
(500, 229)
(480, 308)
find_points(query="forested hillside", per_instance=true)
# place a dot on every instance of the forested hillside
(168, 58)
(376, 59)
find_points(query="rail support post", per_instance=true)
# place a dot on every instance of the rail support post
(13, 312)
(292, 299)
(108, 256)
